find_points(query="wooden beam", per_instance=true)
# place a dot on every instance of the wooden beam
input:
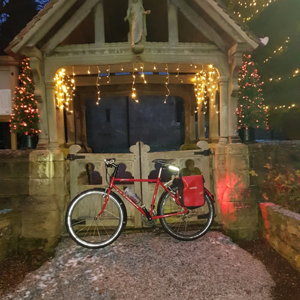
(200, 24)
(173, 23)
(99, 24)
(124, 79)
(69, 26)
(49, 24)
(43, 25)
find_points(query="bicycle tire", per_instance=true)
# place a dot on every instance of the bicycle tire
(187, 227)
(92, 231)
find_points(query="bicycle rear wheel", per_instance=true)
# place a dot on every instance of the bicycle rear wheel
(189, 226)
(87, 228)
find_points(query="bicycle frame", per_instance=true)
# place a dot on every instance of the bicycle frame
(148, 214)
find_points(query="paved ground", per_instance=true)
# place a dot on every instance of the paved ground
(149, 266)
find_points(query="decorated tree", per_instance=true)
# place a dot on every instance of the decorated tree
(25, 115)
(251, 110)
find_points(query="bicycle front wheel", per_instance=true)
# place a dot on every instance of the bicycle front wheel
(189, 226)
(89, 229)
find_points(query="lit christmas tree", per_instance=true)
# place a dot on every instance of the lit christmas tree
(251, 110)
(25, 115)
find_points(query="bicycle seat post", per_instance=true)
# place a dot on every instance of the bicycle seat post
(160, 170)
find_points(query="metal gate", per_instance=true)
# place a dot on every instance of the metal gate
(88, 171)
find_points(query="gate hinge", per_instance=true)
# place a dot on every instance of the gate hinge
(74, 157)
(204, 152)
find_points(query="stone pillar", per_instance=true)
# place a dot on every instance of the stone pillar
(71, 128)
(213, 120)
(232, 117)
(235, 58)
(237, 208)
(43, 136)
(201, 131)
(173, 23)
(99, 24)
(60, 126)
(51, 116)
(223, 110)
(43, 210)
(36, 64)
(187, 123)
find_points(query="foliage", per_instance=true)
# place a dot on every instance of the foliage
(282, 186)
(25, 117)
(251, 109)
(41, 3)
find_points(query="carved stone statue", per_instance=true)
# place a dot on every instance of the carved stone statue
(136, 16)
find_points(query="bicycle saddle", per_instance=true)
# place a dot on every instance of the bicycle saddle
(163, 162)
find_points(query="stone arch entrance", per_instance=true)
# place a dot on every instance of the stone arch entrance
(196, 116)
(73, 34)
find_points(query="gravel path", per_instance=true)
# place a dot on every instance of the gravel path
(149, 266)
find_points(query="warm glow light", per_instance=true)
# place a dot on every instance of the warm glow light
(205, 86)
(64, 90)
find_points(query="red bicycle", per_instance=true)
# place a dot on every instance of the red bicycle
(95, 218)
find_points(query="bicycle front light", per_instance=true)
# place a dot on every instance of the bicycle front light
(173, 168)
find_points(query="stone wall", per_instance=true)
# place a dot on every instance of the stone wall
(42, 212)
(282, 231)
(280, 226)
(14, 176)
(33, 194)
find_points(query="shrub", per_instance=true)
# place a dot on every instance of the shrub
(282, 186)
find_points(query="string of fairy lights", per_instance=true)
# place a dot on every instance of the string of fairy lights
(205, 87)
(205, 82)
(246, 10)
(295, 73)
(279, 50)
(64, 90)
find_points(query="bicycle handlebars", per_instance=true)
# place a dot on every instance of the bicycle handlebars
(110, 162)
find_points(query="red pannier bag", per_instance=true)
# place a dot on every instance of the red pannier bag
(193, 191)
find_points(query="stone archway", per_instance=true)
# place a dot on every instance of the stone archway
(164, 80)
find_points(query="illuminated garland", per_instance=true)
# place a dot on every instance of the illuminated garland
(64, 90)
(143, 74)
(98, 80)
(205, 86)
(205, 83)
(133, 89)
(168, 93)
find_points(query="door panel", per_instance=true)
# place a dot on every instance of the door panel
(117, 123)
